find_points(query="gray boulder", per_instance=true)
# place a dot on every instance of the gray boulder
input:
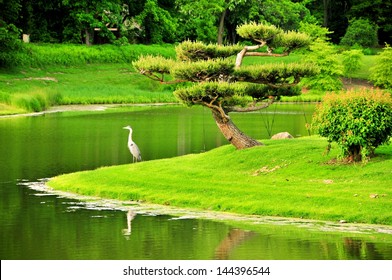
(282, 135)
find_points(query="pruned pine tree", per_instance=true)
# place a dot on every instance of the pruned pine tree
(212, 78)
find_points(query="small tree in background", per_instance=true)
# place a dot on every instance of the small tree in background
(325, 56)
(358, 121)
(215, 81)
(315, 31)
(10, 44)
(361, 32)
(381, 73)
(351, 62)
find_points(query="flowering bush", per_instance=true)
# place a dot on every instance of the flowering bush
(359, 121)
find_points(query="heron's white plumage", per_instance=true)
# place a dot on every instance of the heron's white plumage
(133, 148)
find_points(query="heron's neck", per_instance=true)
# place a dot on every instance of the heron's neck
(130, 137)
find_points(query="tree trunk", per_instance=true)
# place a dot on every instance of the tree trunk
(87, 37)
(221, 28)
(354, 153)
(231, 132)
(326, 12)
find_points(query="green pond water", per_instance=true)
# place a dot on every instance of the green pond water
(35, 224)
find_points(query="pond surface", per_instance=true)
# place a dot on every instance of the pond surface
(40, 225)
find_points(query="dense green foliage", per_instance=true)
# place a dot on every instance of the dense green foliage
(148, 65)
(159, 25)
(359, 121)
(377, 12)
(314, 31)
(360, 32)
(191, 51)
(168, 21)
(203, 70)
(274, 36)
(382, 71)
(352, 61)
(9, 43)
(275, 74)
(325, 56)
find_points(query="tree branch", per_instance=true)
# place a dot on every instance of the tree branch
(151, 75)
(266, 54)
(161, 79)
(242, 53)
(215, 108)
(253, 108)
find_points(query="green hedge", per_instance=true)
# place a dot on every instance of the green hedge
(39, 55)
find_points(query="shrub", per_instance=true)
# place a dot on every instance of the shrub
(314, 31)
(351, 62)
(324, 56)
(381, 73)
(10, 44)
(191, 51)
(361, 32)
(359, 121)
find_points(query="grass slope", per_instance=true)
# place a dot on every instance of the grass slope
(37, 89)
(50, 75)
(287, 178)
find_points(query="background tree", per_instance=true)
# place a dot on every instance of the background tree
(43, 20)
(325, 56)
(88, 14)
(222, 86)
(204, 20)
(157, 24)
(199, 19)
(352, 61)
(9, 43)
(9, 11)
(9, 33)
(360, 32)
(377, 12)
(381, 73)
(332, 14)
(217, 20)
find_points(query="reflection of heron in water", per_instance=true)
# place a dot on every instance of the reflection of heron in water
(130, 216)
(233, 239)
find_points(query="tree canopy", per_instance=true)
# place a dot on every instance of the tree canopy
(211, 78)
(168, 21)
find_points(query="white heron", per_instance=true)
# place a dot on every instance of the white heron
(133, 148)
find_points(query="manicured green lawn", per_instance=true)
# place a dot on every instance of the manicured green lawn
(27, 89)
(285, 178)
(87, 84)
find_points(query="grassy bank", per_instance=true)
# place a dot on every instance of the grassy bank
(47, 75)
(44, 55)
(36, 89)
(285, 178)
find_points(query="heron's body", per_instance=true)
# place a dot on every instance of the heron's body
(133, 148)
